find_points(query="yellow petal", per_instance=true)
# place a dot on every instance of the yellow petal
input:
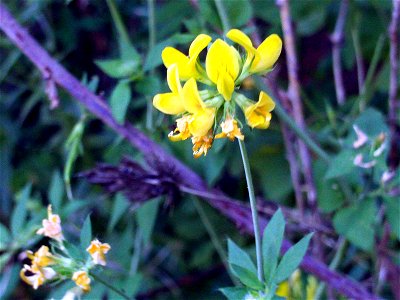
(225, 86)
(258, 115)
(199, 43)
(221, 59)
(191, 97)
(173, 78)
(269, 52)
(265, 102)
(242, 39)
(168, 103)
(172, 56)
(202, 122)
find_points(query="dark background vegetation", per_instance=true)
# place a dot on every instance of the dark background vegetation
(79, 32)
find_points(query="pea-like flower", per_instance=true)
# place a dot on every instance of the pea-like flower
(262, 59)
(51, 226)
(97, 251)
(207, 111)
(38, 272)
(82, 279)
(187, 65)
(223, 67)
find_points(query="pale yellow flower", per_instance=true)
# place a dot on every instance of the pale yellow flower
(97, 251)
(230, 130)
(181, 131)
(51, 226)
(37, 276)
(82, 280)
(201, 144)
(42, 257)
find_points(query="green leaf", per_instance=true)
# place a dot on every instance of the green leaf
(292, 259)
(133, 284)
(5, 237)
(146, 216)
(4, 258)
(56, 191)
(19, 214)
(393, 214)
(271, 244)
(118, 68)
(356, 223)
(371, 122)
(329, 197)
(238, 257)
(234, 293)
(340, 165)
(86, 233)
(119, 102)
(247, 277)
(119, 208)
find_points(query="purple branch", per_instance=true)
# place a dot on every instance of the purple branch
(239, 213)
(337, 38)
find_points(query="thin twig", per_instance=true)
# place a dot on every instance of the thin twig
(394, 65)
(295, 99)
(238, 214)
(337, 38)
(359, 59)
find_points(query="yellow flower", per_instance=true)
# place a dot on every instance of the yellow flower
(201, 144)
(82, 280)
(223, 67)
(263, 58)
(35, 279)
(181, 131)
(202, 117)
(42, 257)
(170, 103)
(51, 226)
(258, 115)
(37, 276)
(187, 66)
(97, 251)
(230, 130)
(283, 290)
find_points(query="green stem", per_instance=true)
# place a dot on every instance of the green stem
(105, 283)
(214, 237)
(118, 20)
(137, 248)
(333, 266)
(253, 206)
(301, 133)
(222, 15)
(152, 42)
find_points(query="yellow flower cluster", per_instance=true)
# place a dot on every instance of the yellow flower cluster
(46, 266)
(203, 113)
(293, 288)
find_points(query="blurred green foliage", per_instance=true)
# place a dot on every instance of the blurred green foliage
(107, 47)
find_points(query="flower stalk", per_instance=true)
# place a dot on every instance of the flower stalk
(253, 206)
